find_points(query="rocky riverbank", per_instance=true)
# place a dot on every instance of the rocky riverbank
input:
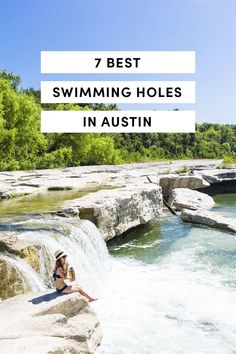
(210, 219)
(129, 201)
(122, 197)
(13, 184)
(115, 199)
(45, 322)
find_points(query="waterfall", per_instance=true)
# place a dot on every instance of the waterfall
(79, 239)
(167, 288)
(29, 278)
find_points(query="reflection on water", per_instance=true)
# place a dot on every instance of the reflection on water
(45, 201)
(225, 204)
(150, 241)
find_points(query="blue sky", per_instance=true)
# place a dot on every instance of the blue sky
(206, 26)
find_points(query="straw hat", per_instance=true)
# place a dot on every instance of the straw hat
(59, 254)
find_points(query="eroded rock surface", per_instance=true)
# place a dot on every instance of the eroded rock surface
(18, 183)
(46, 323)
(219, 175)
(173, 181)
(210, 219)
(11, 282)
(118, 210)
(184, 198)
(12, 250)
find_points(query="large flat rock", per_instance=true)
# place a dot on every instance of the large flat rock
(184, 198)
(129, 201)
(46, 322)
(210, 219)
(17, 183)
(118, 210)
(173, 181)
(219, 175)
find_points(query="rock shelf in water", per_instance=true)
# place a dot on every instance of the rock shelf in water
(174, 181)
(118, 210)
(66, 323)
(210, 219)
(185, 198)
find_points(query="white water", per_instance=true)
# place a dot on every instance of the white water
(182, 302)
(30, 279)
(174, 306)
(86, 250)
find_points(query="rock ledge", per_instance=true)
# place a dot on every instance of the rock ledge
(118, 210)
(46, 322)
(209, 218)
(184, 198)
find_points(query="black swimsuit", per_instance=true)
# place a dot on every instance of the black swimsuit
(57, 276)
(60, 290)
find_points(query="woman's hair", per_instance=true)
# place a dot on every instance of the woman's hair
(57, 264)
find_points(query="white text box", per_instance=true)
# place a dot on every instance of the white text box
(118, 92)
(149, 62)
(135, 121)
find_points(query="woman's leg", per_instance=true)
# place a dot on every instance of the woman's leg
(77, 289)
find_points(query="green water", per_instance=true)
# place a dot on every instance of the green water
(226, 204)
(150, 241)
(43, 202)
(168, 287)
(172, 288)
(153, 240)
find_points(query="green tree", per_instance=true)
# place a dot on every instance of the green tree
(13, 79)
(21, 140)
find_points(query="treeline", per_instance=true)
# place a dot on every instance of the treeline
(209, 141)
(23, 146)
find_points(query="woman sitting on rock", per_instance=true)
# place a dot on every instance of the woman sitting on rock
(61, 273)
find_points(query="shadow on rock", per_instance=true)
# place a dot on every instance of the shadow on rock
(45, 298)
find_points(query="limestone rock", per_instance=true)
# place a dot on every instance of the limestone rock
(210, 219)
(24, 249)
(16, 183)
(5, 191)
(13, 191)
(118, 210)
(218, 176)
(67, 212)
(31, 256)
(48, 323)
(184, 198)
(11, 282)
(170, 182)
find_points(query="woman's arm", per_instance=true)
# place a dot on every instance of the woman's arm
(62, 272)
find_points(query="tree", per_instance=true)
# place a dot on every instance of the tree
(23, 146)
(21, 141)
(13, 79)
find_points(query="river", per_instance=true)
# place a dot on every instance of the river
(172, 289)
(167, 287)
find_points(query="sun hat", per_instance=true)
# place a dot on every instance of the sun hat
(59, 254)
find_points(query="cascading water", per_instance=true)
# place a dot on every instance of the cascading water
(81, 240)
(177, 295)
(30, 279)
(168, 288)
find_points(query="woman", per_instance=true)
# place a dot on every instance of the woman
(60, 274)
